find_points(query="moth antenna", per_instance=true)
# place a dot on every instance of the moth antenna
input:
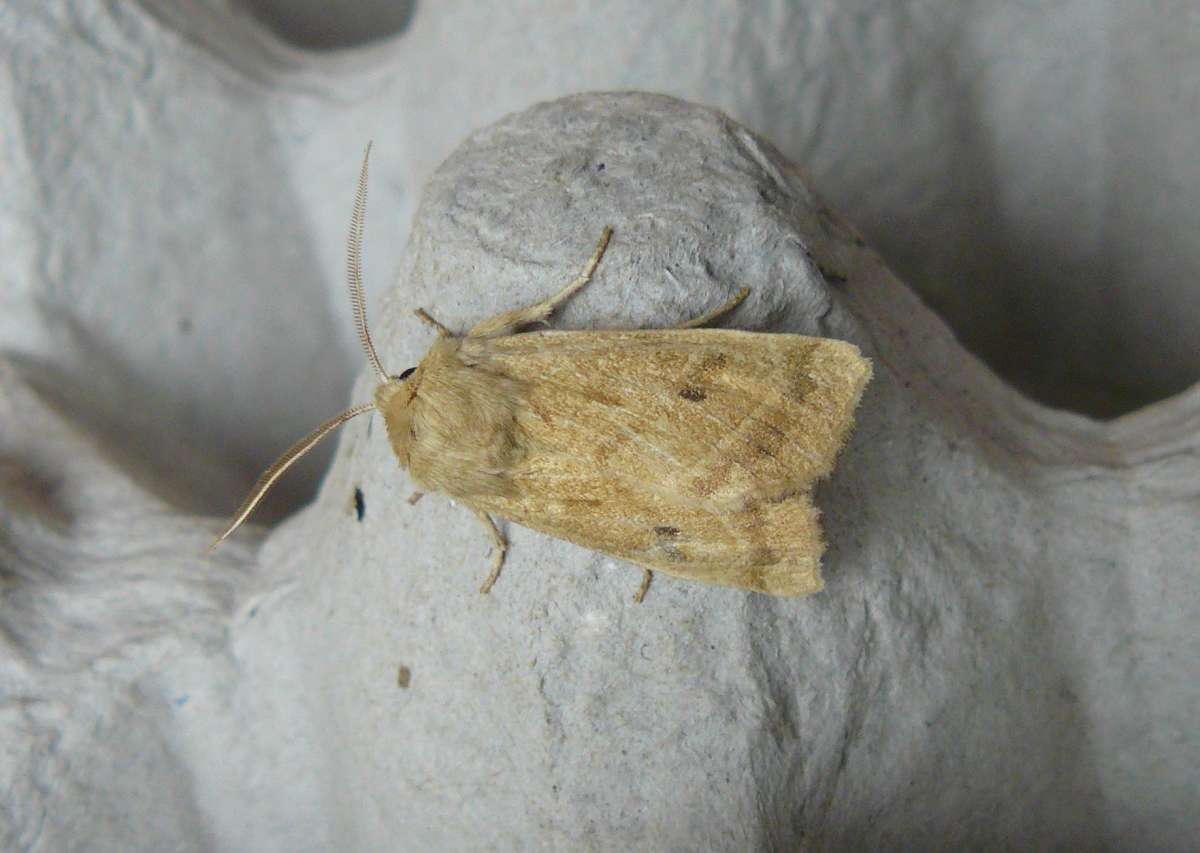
(358, 302)
(268, 478)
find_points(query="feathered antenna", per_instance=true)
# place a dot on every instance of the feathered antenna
(268, 477)
(359, 305)
(358, 302)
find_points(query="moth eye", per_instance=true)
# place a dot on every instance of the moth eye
(405, 374)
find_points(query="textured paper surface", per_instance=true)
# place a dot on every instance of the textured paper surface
(1005, 652)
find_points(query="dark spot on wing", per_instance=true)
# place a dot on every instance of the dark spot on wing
(403, 677)
(665, 536)
(765, 438)
(701, 377)
(360, 503)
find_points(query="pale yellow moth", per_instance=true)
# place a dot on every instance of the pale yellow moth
(691, 451)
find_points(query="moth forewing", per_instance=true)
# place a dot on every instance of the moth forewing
(690, 452)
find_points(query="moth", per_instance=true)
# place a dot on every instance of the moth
(689, 451)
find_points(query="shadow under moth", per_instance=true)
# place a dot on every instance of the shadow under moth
(689, 451)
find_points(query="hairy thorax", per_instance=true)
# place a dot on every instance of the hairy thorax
(453, 423)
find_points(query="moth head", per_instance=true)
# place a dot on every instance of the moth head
(396, 390)
(388, 385)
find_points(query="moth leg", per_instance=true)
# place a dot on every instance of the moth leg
(510, 321)
(705, 319)
(647, 576)
(499, 546)
(414, 497)
(424, 317)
